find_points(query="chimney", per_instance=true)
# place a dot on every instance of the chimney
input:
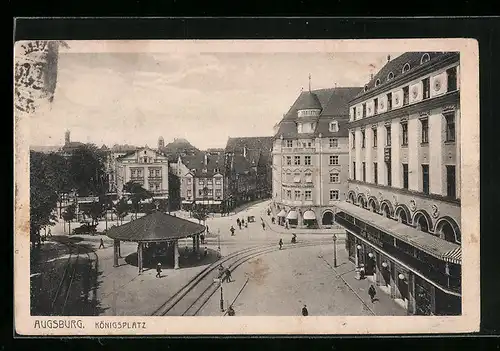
(388, 58)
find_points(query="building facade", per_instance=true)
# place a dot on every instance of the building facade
(402, 212)
(201, 180)
(146, 167)
(311, 158)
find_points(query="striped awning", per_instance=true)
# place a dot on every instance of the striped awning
(309, 215)
(293, 215)
(454, 256)
(282, 213)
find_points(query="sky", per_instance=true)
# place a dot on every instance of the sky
(205, 97)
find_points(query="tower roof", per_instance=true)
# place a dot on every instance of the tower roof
(308, 100)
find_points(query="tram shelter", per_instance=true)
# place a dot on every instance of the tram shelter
(157, 232)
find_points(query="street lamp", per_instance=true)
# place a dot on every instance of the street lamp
(221, 303)
(358, 270)
(334, 251)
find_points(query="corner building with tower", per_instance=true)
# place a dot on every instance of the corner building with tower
(402, 211)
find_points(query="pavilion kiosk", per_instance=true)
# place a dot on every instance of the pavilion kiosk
(157, 235)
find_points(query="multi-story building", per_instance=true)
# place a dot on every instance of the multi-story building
(310, 157)
(111, 164)
(249, 168)
(402, 213)
(201, 180)
(146, 167)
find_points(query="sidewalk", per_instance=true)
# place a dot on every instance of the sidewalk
(384, 304)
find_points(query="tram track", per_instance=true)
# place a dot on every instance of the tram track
(193, 296)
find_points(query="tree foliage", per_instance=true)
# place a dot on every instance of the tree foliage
(200, 213)
(86, 169)
(137, 194)
(122, 208)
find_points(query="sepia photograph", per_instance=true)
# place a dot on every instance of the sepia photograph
(286, 180)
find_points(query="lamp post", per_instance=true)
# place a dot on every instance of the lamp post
(358, 270)
(221, 302)
(334, 251)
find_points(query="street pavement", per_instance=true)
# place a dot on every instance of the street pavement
(279, 282)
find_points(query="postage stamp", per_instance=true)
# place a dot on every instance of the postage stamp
(246, 187)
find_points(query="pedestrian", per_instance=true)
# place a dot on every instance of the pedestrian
(221, 270)
(286, 225)
(230, 311)
(272, 220)
(246, 224)
(238, 222)
(263, 225)
(268, 212)
(232, 231)
(205, 251)
(101, 245)
(202, 238)
(207, 230)
(158, 270)
(243, 222)
(49, 233)
(239, 225)
(305, 312)
(228, 275)
(372, 292)
(280, 243)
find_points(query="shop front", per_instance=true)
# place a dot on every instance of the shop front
(417, 277)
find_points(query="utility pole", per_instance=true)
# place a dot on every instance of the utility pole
(334, 251)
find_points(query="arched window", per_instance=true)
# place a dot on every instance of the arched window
(425, 58)
(366, 87)
(406, 67)
(377, 82)
(390, 76)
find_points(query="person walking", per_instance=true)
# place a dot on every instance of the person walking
(202, 238)
(263, 225)
(232, 230)
(158, 270)
(221, 270)
(101, 245)
(238, 222)
(228, 275)
(372, 292)
(281, 243)
(205, 251)
(305, 312)
(243, 222)
(207, 230)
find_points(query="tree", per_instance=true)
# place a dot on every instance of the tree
(87, 171)
(58, 176)
(137, 194)
(200, 213)
(69, 215)
(43, 197)
(96, 211)
(121, 209)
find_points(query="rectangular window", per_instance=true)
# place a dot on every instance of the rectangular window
(296, 177)
(375, 106)
(189, 181)
(218, 193)
(218, 181)
(375, 173)
(452, 79)
(297, 194)
(210, 181)
(296, 160)
(189, 193)
(334, 177)
(364, 171)
(308, 195)
(334, 143)
(158, 172)
(389, 173)
(132, 173)
(406, 95)
(404, 133)
(353, 140)
(389, 101)
(200, 181)
(289, 194)
(151, 172)
(424, 124)
(200, 192)
(334, 195)
(450, 127)
(388, 138)
(426, 88)
(450, 182)
(405, 175)
(354, 111)
(334, 160)
(289, 160)
(363, 139)
(364, 110)
(289, 143)
(354, 170)
(307, 160)
(308, 177)
(374, 131)
(425, 179)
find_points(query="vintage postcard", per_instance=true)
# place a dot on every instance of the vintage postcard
(246, 187)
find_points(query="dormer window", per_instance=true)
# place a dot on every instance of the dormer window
(390, 76)
(334, 126)
(406, 67)
(366, 87)
(425, 58)
(377, 82)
